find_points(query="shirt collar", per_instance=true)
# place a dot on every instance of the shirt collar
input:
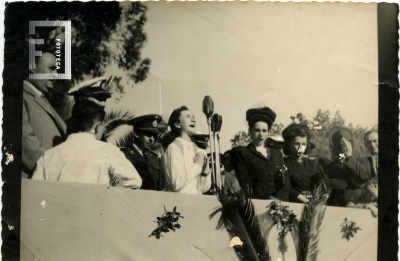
(80, 135)
(262, 150)
(185, 141)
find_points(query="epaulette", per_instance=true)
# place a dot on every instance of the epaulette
(154, 153)
(128, 149)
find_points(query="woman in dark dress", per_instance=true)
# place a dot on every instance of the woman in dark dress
(256, 165)
(304, 173)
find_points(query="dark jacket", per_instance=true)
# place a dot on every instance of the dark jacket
(304, 176)
(255, 172)
(349, 175)
(373, 173)
(148, 167)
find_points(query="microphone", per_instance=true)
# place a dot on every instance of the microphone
(208, 106)
(216, 123)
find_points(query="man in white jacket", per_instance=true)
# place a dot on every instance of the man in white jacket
(185, 165)
(82, 158)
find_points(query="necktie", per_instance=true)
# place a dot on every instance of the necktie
(375, 165)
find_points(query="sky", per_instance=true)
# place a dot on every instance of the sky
(291, 57)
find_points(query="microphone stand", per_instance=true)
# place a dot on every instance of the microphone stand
(217, 166)
(213, 176)
(219, 153)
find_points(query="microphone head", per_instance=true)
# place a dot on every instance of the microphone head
(216, 123)
(208, 106)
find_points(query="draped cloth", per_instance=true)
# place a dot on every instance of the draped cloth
(71, 221)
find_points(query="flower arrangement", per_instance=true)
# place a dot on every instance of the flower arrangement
(284, 221)
(168, 221)
(349, 228)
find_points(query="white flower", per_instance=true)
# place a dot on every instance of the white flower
(302, 149)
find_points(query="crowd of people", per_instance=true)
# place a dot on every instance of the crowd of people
(172, 161)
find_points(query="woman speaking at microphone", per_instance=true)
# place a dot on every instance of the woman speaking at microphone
(257, 165)
(185, 165)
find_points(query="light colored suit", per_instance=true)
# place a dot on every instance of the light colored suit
(42, 128)
(83, 159)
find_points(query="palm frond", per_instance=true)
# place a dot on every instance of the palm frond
(121, 136)
(116, 130)
(310, 224)
(117, 114)
(238, 217)
(266, 225)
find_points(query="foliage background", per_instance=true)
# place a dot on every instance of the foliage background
(102, 35)
(321, 124)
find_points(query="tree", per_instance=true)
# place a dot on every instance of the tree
(276, 129)
(319, 128)
(241, 139)
(103, 33)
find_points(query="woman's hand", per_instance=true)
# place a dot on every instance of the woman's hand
(302, 198)
(200, 159)
(206, 167)
(374, 209)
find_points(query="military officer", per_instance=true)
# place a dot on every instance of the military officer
(145, 161)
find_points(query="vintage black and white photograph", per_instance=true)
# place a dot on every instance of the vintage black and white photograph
(200, 131)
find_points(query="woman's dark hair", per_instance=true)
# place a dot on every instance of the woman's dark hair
(293, 131)
(84, 115)
(174, 118)
(252, 123)
(175, 132)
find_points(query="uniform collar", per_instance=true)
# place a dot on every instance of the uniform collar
(138, 149)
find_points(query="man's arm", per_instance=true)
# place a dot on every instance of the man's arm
(32, 149)
(39, 173)
(124, 170)
(360, 169)
(360, 172)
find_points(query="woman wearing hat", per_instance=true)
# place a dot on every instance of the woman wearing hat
(256, 165)
(304, 173)
(185, 165)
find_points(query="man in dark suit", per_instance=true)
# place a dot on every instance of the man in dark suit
(257, 166)
(145, 161)
(371, 143)
(42, 127)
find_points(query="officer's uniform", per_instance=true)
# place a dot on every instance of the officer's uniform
(146, 162)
